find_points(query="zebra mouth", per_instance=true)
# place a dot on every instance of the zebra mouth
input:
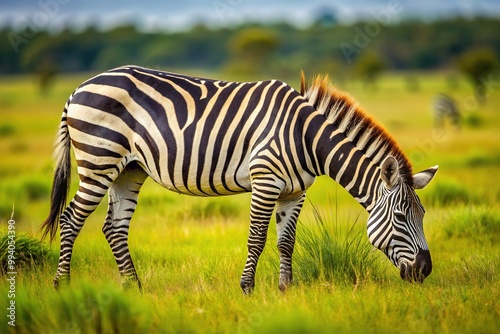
(411, 274)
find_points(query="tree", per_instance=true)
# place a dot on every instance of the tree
(251, 48)
(369, 66)
(46, 71)
(477, 65)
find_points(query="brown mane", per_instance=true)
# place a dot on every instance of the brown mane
(340, 109)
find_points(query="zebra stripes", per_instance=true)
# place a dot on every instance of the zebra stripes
(389, 228)
(206, 137)
(444, 107)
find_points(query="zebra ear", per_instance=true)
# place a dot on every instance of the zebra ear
(389, 171)
(421, 179)
(303, 84)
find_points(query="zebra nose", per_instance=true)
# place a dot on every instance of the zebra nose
(419, 270)
(423, 263)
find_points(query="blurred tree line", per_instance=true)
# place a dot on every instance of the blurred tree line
(272, 50)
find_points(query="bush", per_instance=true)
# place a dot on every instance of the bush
(28, 252)
(477, 64)
(213, 208)
(7, 130)
(473, 120)
(6, 208)
(446, 193)
(481, 159)
(155, 200)
(334, 252)
(35, 189)
(473, 223)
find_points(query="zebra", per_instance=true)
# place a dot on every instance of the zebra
(444, 107)
(205, 137)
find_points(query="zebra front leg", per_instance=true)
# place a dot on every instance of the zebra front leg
(287, 213)
(123, 195)
(264, 196)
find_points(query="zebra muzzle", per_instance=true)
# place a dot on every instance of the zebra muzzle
(411, 274)
(417, 272)
(403, 270)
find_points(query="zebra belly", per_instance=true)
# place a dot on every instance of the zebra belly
(188, 178)
(209, 187)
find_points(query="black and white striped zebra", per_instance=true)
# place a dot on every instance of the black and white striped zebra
(208, 138)
(444, 107)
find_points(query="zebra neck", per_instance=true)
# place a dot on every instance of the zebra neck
(358, 173)
(347, 144)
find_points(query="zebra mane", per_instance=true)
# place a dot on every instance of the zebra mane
(345, 113)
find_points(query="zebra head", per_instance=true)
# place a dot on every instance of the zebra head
(395, 224)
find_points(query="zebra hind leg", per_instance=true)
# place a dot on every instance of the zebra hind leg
(287, 213)
(123, 195)
(85, 201)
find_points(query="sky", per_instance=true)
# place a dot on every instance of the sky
(181, 14)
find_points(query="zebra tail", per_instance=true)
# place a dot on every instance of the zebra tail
(62, 179)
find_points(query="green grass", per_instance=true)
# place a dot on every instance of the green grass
(28, 252)
(468, 222)
(449, 192)
(189, 252)
(332, 250)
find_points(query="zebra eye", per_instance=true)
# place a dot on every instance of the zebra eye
(400, 216)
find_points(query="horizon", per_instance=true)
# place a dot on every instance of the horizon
(174, 16)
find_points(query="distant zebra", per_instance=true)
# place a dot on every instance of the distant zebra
(444, 107)
(206, 137)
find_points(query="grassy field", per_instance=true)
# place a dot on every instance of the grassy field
(190, 252)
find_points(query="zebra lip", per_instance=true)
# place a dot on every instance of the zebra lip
(409, 274)
(404, 271)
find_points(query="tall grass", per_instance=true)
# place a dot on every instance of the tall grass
(477, 269)
(28, 252)
(85, 309)
(480, 223)
(335, 251)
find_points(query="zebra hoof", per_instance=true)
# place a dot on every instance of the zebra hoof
(130, 283)
(285, 281)
(285, 286)
(247, 286)
(60, 281)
